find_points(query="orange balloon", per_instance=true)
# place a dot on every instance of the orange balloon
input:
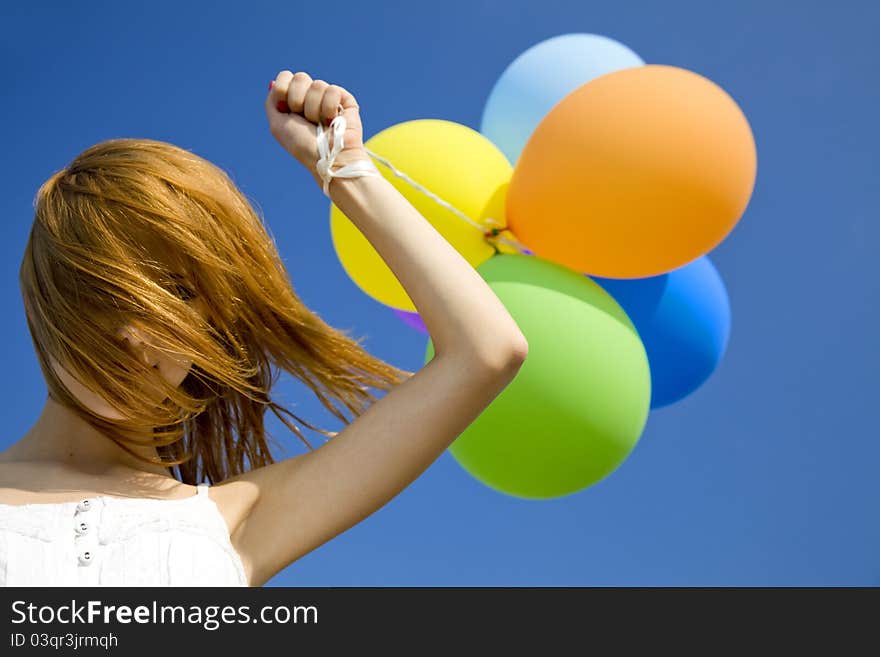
(633, 174)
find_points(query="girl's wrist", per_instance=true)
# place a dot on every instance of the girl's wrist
(343, 159)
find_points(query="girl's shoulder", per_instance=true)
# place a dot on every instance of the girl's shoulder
(36, 482)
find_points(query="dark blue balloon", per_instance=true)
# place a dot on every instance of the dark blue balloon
(683, 318)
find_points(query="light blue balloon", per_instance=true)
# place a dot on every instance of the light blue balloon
(541, 77)
(683, 318)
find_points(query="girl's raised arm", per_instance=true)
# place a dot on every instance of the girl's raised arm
(289, 508)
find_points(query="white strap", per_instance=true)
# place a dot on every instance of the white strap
(327, 156)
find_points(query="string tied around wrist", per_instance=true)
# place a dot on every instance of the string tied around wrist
(327, 155)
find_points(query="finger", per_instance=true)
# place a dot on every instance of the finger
(347, 100)
(296, 94)
(312, 103)
(331, 102)
(350, 110)
(278, 92)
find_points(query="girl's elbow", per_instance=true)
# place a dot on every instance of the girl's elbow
(520, 348)
(512, 356)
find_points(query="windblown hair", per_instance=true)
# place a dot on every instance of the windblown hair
(117, 235)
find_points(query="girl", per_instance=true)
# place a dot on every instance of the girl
(158, 307)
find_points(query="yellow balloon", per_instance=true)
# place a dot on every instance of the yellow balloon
(451, 160)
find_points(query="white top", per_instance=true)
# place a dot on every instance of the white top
(118, 541)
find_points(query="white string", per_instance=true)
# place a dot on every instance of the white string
(490, 228)
(327, 156)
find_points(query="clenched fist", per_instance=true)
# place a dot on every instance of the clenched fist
(307, 103)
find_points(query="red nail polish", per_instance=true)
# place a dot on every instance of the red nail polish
(271, 84)
(328, 120)
(281, 106)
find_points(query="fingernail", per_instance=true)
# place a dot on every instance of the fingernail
(271, 84)
(281, 106)
(328, 120)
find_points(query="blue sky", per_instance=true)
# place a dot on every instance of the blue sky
(767, 475)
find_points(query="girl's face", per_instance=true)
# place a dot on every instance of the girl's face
(173, 369)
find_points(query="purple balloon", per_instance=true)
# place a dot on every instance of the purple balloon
(413, 320)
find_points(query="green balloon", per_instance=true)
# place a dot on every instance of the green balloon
(578, 404)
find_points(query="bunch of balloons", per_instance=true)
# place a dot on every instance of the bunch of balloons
(587, 201)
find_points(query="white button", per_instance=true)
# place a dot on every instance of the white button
(85, 505)
(85, 558)
(82, 528)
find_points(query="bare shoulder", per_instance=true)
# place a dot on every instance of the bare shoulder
(288, 508)
(234, 497)
(237, 495)
(52, 482)
(17, 482)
